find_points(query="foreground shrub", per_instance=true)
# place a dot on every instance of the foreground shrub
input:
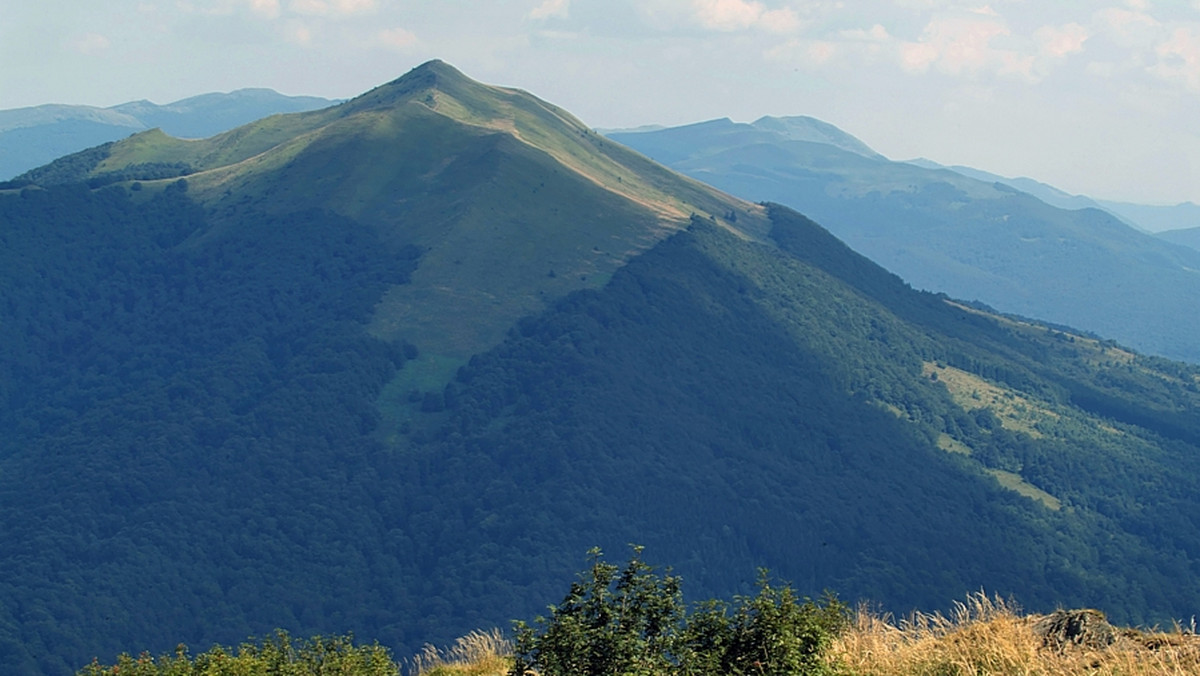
(630, 621)
(279, 655)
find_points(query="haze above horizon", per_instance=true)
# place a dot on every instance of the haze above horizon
(1095, 98)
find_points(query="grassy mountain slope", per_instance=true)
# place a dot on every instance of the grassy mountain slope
(464, 171)
(947, 232)
(394, 373)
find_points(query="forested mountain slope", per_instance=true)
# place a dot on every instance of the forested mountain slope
(392, 368)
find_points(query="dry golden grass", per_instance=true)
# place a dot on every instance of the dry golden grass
(476, 654)
(986, 636)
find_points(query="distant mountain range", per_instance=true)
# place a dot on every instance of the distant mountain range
(392, 367)
(31, 137)
(1188, 237)
(1154, 219)
(967, 233)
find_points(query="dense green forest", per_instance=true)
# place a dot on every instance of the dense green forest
(717, 387)
(193, 449)
(184, 423)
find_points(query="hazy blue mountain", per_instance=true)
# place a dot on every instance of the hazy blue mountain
(944, 231)
(1043, 191)
(31, 137)
(1157, 219)
(1151, 218)
(1186, 237)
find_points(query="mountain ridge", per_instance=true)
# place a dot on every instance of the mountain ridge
(1154, 219)
(942, 230)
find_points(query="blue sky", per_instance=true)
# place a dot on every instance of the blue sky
(1100, 97)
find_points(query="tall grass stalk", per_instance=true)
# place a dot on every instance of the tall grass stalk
(479, 653)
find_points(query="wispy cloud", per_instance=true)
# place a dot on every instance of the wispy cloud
(298, 33)
(90, 44)
(551, 8)
(1059, 41)
(1179, 58)
(962, 44)
(266, 8)
(396, 38)
(724, 16)
(332, 7)
(1129, 28)
(733, 15)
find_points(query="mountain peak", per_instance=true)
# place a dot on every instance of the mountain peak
(804, 128)
(435, 75)
(429, 74)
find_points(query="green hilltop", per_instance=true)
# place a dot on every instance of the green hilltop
(390, 367)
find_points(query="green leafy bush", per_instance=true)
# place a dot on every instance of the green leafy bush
(618, 622)
(774, 633)
(278, 654)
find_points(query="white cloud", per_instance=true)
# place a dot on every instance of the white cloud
(876, 33)
(727, 15)
(846, 46)
(917, 4)
(209, 7)
(1128, 28)
(265, 8)
(961, 44)
(299, 33)
(90, 44)
(821, 52)
(332, 7)
(779, 21)
(396, 38)
(551, 8)
(917, 57)
(1058, 41)
(734, 15)
(1179, 58)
